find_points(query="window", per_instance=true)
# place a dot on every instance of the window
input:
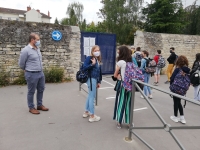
(9, 18)
(0, 17)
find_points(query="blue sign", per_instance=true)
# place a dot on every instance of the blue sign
(56, 35)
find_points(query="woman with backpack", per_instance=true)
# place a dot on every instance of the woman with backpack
(144, 64)
(181, 69)
(123, 97)
(92, 64)
(195, 77)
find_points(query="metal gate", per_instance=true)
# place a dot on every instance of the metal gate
(107, 44)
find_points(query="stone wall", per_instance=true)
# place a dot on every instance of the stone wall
(64, 53)
(187, 45)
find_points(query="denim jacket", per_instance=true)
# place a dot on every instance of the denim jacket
(143, 65)
(94, 70)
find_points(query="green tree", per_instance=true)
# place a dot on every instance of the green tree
(120, 17)
(56, 21)
(74, 13)
(99, 27)
(164, 16)
(65, 21)
(193, 18)
(83, 25)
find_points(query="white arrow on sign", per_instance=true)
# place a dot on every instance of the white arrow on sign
(57, 35)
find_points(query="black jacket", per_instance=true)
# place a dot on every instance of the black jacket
(195, 66)
(171, 59)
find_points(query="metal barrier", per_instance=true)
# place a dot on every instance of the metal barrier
(166, 127)
(80, 88)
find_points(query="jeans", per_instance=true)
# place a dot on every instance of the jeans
(177, 106)
(35, 81)
(89, 106)
(147, 89)
(169, 71)
(197, 93)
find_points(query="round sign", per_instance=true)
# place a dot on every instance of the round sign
(56, 35)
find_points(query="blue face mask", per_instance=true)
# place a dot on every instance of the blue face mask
(37, 43)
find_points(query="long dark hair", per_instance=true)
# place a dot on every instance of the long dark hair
(124, 54)
(196, 60)
(198, 57)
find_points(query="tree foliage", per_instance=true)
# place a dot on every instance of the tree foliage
(83, 25)
(164, 16)
(56, 21)
(74, 13)
(120, 16)
(193, 17)
(99, 27)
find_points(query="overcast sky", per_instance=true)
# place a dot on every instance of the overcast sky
(57, 8)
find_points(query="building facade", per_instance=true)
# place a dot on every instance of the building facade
(29, 15)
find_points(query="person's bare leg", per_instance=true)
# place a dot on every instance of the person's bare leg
(158, 78)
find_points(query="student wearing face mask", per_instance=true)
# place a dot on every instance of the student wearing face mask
(171, 60)
(31, 62)
(92, 64)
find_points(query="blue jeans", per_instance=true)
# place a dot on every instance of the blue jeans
(89, 106)
(35, 81)
(147, 89)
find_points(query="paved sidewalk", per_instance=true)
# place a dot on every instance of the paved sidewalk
(63, 128)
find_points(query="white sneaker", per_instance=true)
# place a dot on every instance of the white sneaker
(142, 96)
(183, 121)
(85, 115)
(119, 126)
(151, 96)
(95, 118)
(175, 119)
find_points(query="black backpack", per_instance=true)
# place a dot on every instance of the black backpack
(195, 77)
(83, 75)
(138, 58)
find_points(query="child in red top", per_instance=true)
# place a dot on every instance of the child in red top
(157, 73)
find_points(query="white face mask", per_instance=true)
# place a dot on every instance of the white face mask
(117, 55)
(96, 54)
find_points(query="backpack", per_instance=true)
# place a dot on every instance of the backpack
(131, 72)
(138, 58)
(82, 75)
(181, 83)
(195, 77)
(161, 62)
(150, 66)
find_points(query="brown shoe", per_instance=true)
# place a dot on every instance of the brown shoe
(42, 108)
(34, 111)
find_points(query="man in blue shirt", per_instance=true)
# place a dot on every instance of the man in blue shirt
(31, 62)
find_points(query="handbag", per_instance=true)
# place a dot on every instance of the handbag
(117, 85)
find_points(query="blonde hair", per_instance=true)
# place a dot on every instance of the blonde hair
(92, 50)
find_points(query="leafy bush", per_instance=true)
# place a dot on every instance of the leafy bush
(68, 79)
(20, 80)
(4, 77)
(54, 75)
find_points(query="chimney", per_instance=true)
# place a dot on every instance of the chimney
(28, 8)
(38, 10)
(48, 13)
